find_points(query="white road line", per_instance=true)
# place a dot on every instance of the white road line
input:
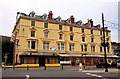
(99, 76)
(94, 75)
(27, 76)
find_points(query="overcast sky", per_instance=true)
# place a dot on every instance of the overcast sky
(81, 9)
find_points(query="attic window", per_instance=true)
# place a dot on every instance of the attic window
(68, 21)
(32, 14)
(44, 16)
(58, 19)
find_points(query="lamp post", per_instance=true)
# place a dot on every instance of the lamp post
(6, 56)
(83, 62)
(104, 44)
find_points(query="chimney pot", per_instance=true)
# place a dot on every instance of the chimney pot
(50, 15)
(91, 23)
(72, 19)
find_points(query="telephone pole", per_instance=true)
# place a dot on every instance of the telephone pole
(104, 44)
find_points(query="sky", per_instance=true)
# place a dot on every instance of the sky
(81, 9)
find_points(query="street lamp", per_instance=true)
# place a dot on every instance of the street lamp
(83, 55)
(6, 56)
(104, 44)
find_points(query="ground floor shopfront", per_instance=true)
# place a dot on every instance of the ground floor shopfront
(64, 59)
(41, 59)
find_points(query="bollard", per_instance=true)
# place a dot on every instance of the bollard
(27, 67)
(62, 67)
(13, 67)
(45, 67)
(4, 68)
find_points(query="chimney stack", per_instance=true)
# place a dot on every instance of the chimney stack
(91, 23)
(72, 19)
(50, 15)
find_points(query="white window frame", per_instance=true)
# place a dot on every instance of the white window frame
(45, 45)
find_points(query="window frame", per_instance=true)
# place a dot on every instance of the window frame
(45, 34)
(83, 39)
(45, 25)
(92, 40)
(71, 28)
(92, 48)
(71, 37)
(45, 46)
(60, 27)
(33, 46)
(83, 31)
(71, 47)
(101, 49)
(101, 32)
(32, 22)
(62, 46)
(91, 31)
(60, 36)
(32, 33)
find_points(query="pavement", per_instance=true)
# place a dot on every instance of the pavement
(110, 70)
(88, 69)
(93, 69)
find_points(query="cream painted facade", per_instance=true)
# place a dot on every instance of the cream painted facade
(25, 43)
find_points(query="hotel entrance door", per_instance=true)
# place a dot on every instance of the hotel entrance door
(42, 61)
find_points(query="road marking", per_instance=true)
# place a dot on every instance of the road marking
(27, 76)
(99, 76)
(94, 75)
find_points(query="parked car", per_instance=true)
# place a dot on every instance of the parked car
(118, 63)
(102, 65)
(115, 63)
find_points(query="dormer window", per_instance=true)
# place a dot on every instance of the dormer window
(79, 22)
(68, 21)
(44, 16)
(32, 14)
(58, 19)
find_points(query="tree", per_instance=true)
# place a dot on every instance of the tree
(7, 48)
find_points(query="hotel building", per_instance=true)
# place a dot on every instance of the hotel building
(44, 39)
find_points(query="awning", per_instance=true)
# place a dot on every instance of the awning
(68, 55)
(40, 54)
(87, 55)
